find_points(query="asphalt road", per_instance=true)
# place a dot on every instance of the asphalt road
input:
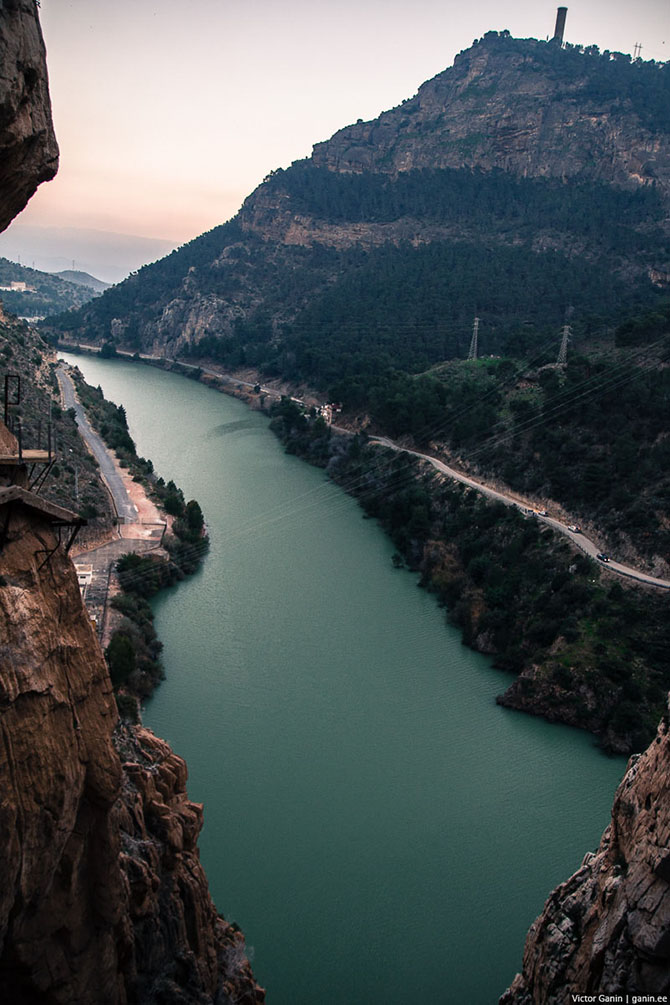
(578, 539)
(126, 510)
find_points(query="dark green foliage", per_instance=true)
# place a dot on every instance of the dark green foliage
(646, 328)
(45, 293)
(190, 529)
(121, 658)
(493, 200)
(513, 585)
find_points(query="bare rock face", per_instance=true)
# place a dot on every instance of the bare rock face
(61, 891)
(102, 895)
(176, 946)
(513, 107)
(607, 930)
(28, 148)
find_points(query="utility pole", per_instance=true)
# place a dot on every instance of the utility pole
(563, 351)
(637, 51)
(473, 342)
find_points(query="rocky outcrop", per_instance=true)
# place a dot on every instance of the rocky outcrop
(28, 148)
(102, 895)
(607, 930)
(174, 945)
(523, 106)
(61, 891)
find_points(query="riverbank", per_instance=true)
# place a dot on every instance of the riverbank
(160, 540)
(583, 649)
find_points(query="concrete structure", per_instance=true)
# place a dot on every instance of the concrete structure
(561, 15)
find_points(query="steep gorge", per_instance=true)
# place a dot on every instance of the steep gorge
(102, 895)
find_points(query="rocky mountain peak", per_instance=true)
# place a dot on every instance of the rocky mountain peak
(527, 107)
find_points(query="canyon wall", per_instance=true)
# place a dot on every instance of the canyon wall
(606, 931)
(102, 896)
(28, 148)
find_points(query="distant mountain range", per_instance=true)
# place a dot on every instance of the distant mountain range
(523, 182)
(29, 293)
(83, 279)
(101, 253)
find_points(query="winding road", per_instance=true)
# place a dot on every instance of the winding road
(578, 539)
(125, 509)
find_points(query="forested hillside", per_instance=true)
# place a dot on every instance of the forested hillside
(521, 182)
(528, 186)
(38, 293)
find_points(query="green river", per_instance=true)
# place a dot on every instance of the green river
(380, 829)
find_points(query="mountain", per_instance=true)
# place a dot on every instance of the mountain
(83, 279)
(30, 293)
(102, 253)
(524, 180)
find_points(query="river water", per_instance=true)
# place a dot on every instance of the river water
(380, 829)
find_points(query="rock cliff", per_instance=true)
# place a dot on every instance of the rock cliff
(606, 931)
(28, 148)
(529, 108)
(102, 896)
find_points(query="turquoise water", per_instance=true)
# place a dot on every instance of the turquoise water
(379, 828)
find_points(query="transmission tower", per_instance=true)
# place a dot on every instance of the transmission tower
(473, 342)
(563, 351)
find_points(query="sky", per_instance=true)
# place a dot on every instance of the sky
(168, 114)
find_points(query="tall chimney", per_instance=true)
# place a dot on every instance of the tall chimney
(561, 14)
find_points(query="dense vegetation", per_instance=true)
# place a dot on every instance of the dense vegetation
(592, 435)
(585, 651)
(494, 201)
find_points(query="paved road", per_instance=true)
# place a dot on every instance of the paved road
(579, 540)
(125, 509)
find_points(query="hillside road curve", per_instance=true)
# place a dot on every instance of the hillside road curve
(579, 540)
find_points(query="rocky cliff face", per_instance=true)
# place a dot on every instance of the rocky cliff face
(28, 148)
(607, 929)
(102, 896)
(525, 107)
